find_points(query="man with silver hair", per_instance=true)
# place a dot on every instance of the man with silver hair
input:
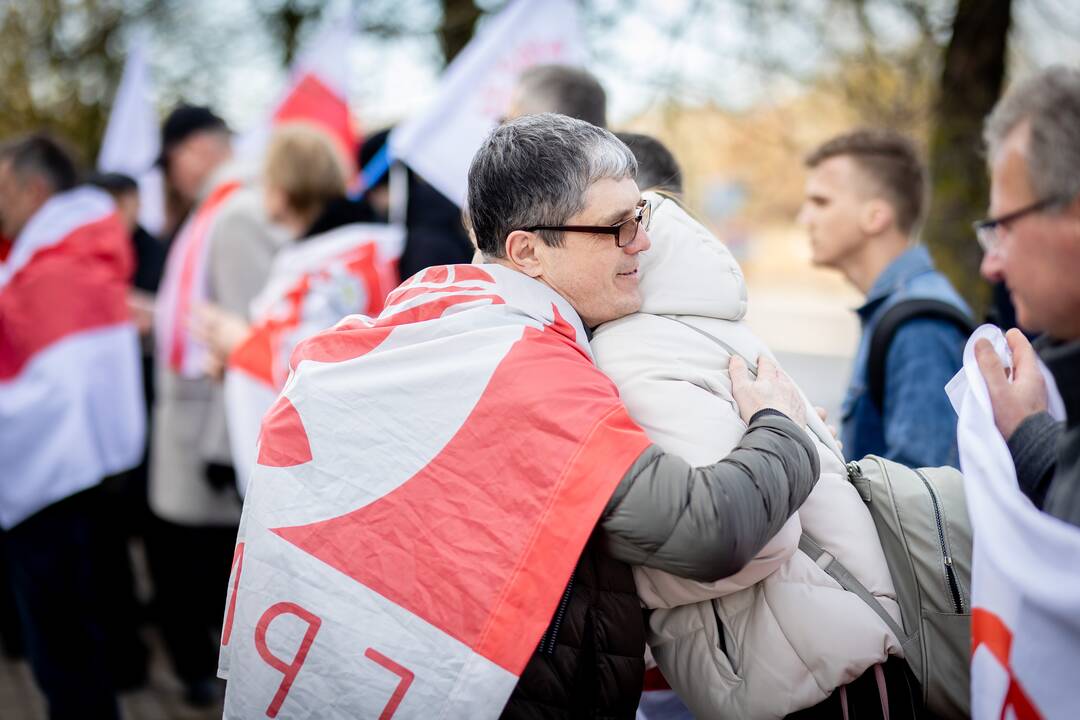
(1032, 244)
(554, 199)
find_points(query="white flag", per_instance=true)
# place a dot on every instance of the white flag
(475, 90)
(1025, 596)
(132, 139)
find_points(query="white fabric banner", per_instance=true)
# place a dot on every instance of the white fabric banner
(475, 89)
(132, 139)
(1025, 576)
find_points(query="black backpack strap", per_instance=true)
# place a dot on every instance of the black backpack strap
(890, 322)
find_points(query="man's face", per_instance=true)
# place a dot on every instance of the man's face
(835, 195)
(20, 198)
(599, 279)
(193, 159)
(1038, 255)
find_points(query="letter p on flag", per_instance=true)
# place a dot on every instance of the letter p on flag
(289, 669)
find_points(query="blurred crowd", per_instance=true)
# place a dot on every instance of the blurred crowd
(136, 370)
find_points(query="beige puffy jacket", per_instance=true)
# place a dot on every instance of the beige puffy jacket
(791, 634)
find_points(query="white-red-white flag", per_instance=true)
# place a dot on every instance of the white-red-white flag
(1025, 595)
(475, 89)
(426, 483)
(312, 285)
(185, 286)
(71, 401)
(132, 140)
(317, 94)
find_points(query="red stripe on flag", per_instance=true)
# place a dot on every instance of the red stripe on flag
(348, 341)
(463, 273)
(76, 285)
(192, 249)
(481, 541)
(283, 441)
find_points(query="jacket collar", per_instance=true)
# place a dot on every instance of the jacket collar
(1063, 361)
(910, 263)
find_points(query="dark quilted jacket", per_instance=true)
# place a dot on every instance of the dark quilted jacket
(590, 662)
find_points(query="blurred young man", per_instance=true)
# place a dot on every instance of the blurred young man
(863, 207)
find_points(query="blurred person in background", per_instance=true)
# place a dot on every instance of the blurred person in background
(657, 168)
(865, 198)
(221, 254)
(563, 89)
(1032, 245)
(71, 413)
(339, 265)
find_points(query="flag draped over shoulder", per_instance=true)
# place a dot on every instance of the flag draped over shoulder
(312, 285)
(426, 483)
(71, 403)
(1025, 597)
(475, 90)
(185, 285)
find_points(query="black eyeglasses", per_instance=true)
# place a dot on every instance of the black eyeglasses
(986, 231)
(623, 231)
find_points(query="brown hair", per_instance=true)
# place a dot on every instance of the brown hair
(305, 164)
(890, 160)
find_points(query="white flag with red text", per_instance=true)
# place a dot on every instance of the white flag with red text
(312, 285)
(475, 89)
(425, 484)
(71, 398)
(1025, 596)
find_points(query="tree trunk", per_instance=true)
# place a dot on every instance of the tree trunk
(971, 81)
(458, 25)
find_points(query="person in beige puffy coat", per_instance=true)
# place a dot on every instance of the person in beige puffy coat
(780, 635)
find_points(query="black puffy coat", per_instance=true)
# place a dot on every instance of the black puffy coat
(590, 662)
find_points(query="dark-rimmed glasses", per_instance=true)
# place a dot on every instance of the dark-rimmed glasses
(623, 231)
(986, 231)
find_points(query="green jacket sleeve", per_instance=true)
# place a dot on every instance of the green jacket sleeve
(707, 523)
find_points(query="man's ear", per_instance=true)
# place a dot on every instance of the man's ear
(876, 216)
(522, 252)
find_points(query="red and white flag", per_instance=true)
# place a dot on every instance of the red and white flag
(1025, 596)
(71, 400)
(317, 94)
(426, 483)
(312, 285)
(185, 286)
(475, 89)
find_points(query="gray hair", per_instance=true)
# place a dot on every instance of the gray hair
(563, 89)
(536, 170)
(1050, 102)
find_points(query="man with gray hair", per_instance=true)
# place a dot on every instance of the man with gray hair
(534, 491)
(562, 89)
(554, 199)
(1032, 244)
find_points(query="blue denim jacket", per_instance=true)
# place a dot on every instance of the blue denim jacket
(917, 426)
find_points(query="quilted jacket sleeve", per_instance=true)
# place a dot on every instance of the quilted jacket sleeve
(706, 523)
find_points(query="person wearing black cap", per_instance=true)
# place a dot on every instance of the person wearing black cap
(221, 254)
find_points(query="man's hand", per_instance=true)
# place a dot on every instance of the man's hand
(1014, 398)
(770, 389)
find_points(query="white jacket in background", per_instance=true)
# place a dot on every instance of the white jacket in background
(792, 634)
